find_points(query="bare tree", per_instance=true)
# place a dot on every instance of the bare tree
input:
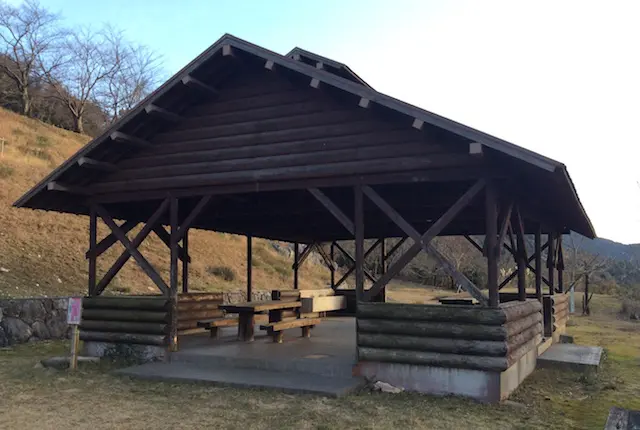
(29, 37)
(135, 76)
(89, 60)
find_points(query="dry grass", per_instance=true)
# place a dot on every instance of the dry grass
(549, 399)
(44, 251)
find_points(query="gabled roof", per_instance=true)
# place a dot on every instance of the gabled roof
(350, 84)
(332, 66)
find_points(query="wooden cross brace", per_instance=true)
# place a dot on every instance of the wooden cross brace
(353, 261)
(529, 266)
(131, 248)
(423, 242)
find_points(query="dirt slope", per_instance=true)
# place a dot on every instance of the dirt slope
(42, 253)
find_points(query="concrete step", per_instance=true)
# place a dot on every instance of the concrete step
(291, 382)
(572, 357)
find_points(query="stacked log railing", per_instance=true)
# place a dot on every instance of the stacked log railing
(194, 307)
(142, 320)
(556, 313)
(470, 337)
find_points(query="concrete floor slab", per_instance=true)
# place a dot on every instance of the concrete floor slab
(321, 364)
(571, 356)
(291, 382)
(331, 350)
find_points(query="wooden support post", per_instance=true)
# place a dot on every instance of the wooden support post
(521, 256)
(551, 262)
(185, 262)
(491, 218)
(173, 274)
(359, 233)
(249, 280)
(538, 264)
(383, 261)
(560, 265)
(75, 344)
(93, 239)
(296, 258)
(332, 255)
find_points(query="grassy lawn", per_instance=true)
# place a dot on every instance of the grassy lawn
(32, 397)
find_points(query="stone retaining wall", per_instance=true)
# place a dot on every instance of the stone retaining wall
(27, 320)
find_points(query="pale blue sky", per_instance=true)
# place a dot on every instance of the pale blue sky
(558, 77)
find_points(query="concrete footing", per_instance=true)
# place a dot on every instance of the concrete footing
(137, 353)
(482, 385)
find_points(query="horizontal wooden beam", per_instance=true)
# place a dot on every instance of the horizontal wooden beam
(118, 136)
(340, 180)
(227, 51)
(194, 83)
(155, 110)
(90, 163)
(269, 65)
(188, 153)
(254, 175)
(475, 149)
(281, 160)
(417, 124)
(57, 186)
(364, 103)
(315, 83)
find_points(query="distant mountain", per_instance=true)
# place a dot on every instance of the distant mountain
(605, 248)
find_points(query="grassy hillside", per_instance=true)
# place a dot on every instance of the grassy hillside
(44, 251)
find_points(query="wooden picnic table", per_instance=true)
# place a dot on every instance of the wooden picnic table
(247, 311)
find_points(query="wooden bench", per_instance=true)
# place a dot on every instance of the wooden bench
(214, 324)
(275, 328)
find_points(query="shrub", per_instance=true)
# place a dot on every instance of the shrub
(43, 141)
(224, 272)
(5, 171)
(38, 152)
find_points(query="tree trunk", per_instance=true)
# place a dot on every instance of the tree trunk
(26, 102)
(77, 124)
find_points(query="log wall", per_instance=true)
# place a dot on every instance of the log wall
(143, 320)
(194, 307)
(556, 314)
(469, 337)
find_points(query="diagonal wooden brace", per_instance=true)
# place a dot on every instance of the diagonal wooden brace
(529, 266)
(106, 243)
(165, 237)
(303, 256)
(131, 248)
(353, 267)
(202, 203)
(423, 242)
(335, 210)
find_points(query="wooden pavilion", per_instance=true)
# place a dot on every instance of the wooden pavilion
(298, 148)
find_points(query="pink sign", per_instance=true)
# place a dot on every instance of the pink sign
(74, 310)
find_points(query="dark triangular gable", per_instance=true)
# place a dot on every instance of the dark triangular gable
(209, 105)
